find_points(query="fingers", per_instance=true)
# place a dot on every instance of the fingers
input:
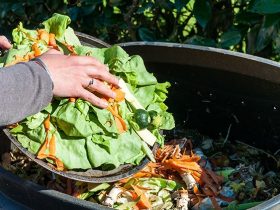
(88, 96)
(99, 87)
(71, 76)
(95, 69)
(4, 43)
(103, 74)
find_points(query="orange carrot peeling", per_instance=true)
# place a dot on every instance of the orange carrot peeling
(72, 99)
(37, 51)
(144, 202)
(43, 35)
(52, 41)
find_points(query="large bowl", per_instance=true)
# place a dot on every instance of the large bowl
(91, 175)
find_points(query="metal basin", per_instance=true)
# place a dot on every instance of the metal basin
(211, 89)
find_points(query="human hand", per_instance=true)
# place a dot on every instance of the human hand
(71, 76)
(4, 43)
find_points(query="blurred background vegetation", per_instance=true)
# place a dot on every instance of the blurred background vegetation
(250, 26)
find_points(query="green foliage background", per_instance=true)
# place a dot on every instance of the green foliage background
(250, 26)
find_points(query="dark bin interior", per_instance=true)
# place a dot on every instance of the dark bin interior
(211, 90)
(211, 99)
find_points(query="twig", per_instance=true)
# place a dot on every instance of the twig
(227, 134)
(275, 153)
(260, 150)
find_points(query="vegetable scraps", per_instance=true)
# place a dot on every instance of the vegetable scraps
(72, 134)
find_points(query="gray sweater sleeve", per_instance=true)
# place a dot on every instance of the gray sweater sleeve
(25, 89)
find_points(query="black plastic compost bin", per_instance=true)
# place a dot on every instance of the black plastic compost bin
(211, 90)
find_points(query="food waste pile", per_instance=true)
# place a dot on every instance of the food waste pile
(71, 134)
(189, 173)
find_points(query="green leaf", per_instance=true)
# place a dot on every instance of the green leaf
(105, 119)
(146, 34)
(21, 35)
(143, 77)
(145, 94)
(126, 148)
(266, 31)
(161, 92)
(251, 39)
(67, 116)
(90, 51)
(179, 4)
(168, 122)
(36, 120)
(71, 38)
(57, 24)
(95, 188)
(202, 12)
(265, 6)
(11, 55)
(225, 173)
(71, 151)
(161, 183)
(230, 38)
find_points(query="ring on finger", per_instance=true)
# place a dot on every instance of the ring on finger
(91, 82)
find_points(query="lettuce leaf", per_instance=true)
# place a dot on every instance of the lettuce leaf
(22, 36)
(111, 152)
(57, 24)
(66, 118)
(12, 53)
(89, 51)
(70, 37)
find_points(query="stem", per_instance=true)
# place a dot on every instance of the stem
(260, 150)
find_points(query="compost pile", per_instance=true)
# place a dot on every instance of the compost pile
(189, 173)
(71, 133)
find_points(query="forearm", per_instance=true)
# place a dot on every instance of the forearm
(25, 89)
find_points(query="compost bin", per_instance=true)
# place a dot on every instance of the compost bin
(212, 89)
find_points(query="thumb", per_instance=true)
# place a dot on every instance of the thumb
(4, 43)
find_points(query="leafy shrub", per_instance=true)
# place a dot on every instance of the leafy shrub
(250, 26)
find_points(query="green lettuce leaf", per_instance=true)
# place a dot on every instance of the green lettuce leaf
(57, 24)
(75, 122)
(71, 38)
(145, 94)
(22, 36)
(161, 92)
(143, 77)
(127, 148)
(89, 51)
(72, 151)
(93, 189)
(11, 55)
